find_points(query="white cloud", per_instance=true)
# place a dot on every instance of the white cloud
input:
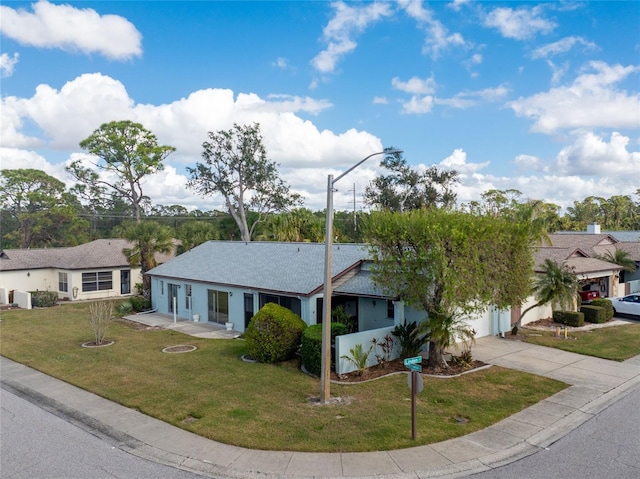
(15, 158)
(422, 102)
(415, 85)
(528, 162)
(380, 100)
(521, 24)
(438, 37)
(458, 161)
(280, 63)
(418, 105)
(457, 5)
(347, 22)
(7, 64)
(64, 117)
(560, 185)
(591, 155)
(592, 101)
(71, 29)
(562, 46)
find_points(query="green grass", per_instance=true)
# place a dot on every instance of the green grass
(615, 342)
(212, 392)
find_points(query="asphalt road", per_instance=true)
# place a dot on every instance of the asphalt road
(35, 444)
(607, 446)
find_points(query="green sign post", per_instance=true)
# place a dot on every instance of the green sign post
(416, 385)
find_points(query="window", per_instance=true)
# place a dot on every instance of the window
(97, 281)
(188, 295)
(390, 309)
(292, 304)
(63, 282)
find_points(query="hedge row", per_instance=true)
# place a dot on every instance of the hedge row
(606, 304)
(570, 318)
(594, 314)
(311, 350)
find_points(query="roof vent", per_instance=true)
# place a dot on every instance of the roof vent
(593, 228)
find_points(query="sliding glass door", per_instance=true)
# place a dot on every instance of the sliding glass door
(218, 306)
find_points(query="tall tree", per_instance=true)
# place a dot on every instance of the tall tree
(194, 233)
(128, 153)
(450, 265)
(45, 212)
(236, 166)
(148, 238)
(298, 225)
(556, 284)
(405, 188)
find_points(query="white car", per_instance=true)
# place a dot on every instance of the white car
(629, 304)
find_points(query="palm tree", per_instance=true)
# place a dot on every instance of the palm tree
(557, 284)
(148, 238)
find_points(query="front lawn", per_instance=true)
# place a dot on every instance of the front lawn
(212, 392)
(614, 342)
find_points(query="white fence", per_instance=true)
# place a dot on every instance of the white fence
(347, 342)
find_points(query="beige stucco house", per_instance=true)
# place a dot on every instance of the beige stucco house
(95, 270)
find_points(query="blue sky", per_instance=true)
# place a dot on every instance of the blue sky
(543, 97)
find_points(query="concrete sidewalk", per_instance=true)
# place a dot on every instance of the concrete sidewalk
(595, 383)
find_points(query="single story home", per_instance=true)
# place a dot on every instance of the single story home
(95, 270)
(228, 281)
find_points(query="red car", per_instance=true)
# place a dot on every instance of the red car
(588, 296)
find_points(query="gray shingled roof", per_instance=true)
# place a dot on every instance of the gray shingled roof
(591, 244)
(101, 253)
(361, 285)
(296, 268)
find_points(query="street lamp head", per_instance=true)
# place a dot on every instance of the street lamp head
(393, 152)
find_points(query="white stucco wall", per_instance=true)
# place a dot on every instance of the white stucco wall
(47, 280)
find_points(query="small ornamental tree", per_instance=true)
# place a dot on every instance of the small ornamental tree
(274, 334)
(100, 317)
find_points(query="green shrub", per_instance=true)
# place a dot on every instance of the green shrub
(570, 318)
(410, 340)
(138, 303)
(43, 299)
(594, 314)
(274, 334)
(606, 304)
(311, 350)
(124, 308)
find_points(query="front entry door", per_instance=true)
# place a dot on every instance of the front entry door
(248, 309)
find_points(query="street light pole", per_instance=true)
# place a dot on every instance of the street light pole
(325, 361)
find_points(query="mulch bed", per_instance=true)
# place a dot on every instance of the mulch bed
(397, 366)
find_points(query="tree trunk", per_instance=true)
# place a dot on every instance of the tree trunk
(436, 359)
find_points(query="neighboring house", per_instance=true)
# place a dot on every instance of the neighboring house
(597, 243)
(94, 270)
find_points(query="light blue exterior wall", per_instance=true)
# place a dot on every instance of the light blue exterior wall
(199, 301)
